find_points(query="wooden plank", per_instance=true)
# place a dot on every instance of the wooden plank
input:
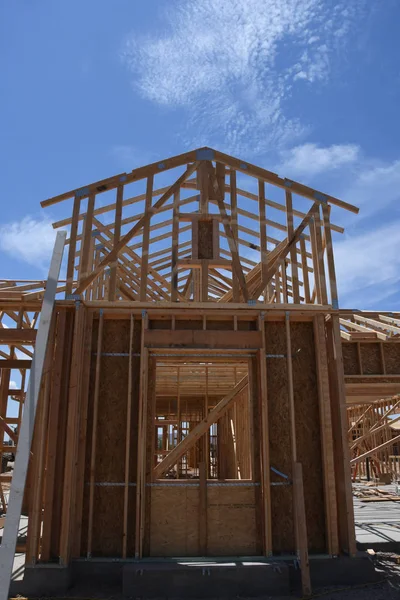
(375, 450)
(293, 251)
(141, 464)
(128, 443)
(199, 430)
(72, 245)
(376, 323)
(269, 177)
(266, 467)
(94, 433)
(301, 527)
(320, 258)
(111, 256)
(74, 397)
(145, 240)
(17, 336)
(205, 339)
(203, 509)
(281, 251)
(329, 256)
(117, 234)
(86, 238)
(53, 436)
(304, 266)
(175, 248)
(82, 436)
(290, 388)
(15, 363)
(321, 358)
(263, 231)
(228, 231)
(339, 430)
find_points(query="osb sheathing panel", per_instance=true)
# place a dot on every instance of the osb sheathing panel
(111, 440)
(391, 353)
(231, 521)
(174, 521)
(279, 439)
(371, 359)
(308, 432)
(350, 358)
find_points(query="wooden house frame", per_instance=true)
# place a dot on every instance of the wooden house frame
(194, 395)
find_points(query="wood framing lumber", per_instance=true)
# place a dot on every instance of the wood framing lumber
(376, 323)
(17, 336)
(375, 450)
(361, 328)
(94, 433)
(8, 430)
(112, 182)
(269, 177)
(206, 339)
(200, 429)
(381, 428)
(10, 534)
(15, 363)
(229, 233)
(266, 466)
(111, 256)
(289, 243)
(117, 234)
(301, 528)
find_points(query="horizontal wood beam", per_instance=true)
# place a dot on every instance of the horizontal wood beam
(17, 336)
(15, 363)
(202, 339)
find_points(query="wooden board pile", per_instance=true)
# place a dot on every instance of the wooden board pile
(375, 494)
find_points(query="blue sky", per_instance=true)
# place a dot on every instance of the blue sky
(306, 88)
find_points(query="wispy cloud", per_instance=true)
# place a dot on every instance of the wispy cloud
(368, 266)
(30, 240)
(311, 159)
(233, 63)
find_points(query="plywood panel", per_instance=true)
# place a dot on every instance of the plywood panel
(231, 517)
(391, 352)
(174, 522)
(350, 358)
(308, 431)
(110, 450)
(371, 359)
(279, 438)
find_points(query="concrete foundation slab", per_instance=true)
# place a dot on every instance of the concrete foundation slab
(206, 579)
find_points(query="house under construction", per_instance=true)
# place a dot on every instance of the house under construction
(195, 373)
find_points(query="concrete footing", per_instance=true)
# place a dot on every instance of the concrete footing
(191, 578)
(206, 580)
(43, 580)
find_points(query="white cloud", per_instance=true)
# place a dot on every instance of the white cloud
(311, 159)
(368, 266)
(13, 385)
(30, 240)
(374, 185)
(233, 63)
